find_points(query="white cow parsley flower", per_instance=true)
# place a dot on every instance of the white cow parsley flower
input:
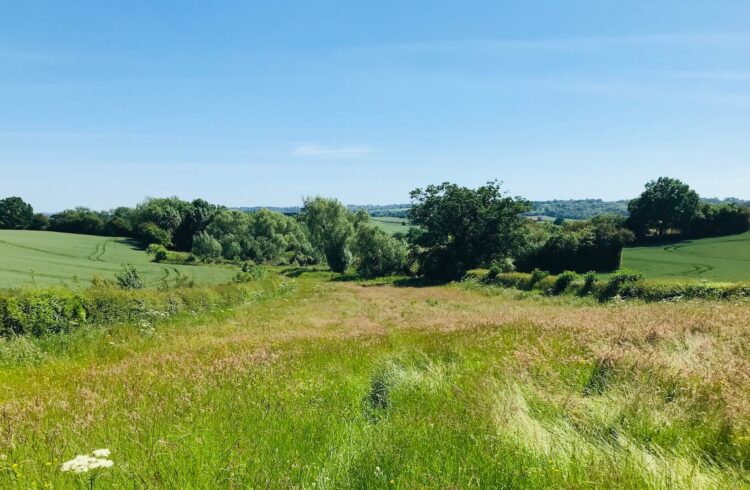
(83, 463)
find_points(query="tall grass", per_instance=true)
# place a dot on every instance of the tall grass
(335, 385)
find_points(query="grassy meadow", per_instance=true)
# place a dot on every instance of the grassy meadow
(724, 258)
(46, 258)
(333, 384)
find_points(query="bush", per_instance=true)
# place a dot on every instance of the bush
(158, 251)
(36, 312)
(501, 267)
(563, 281)
(628, 284)
(589, 281)
(250, 272)
(129, 278)
(39, 312)
(579, 246)
(621, 282)
(536, 277)
(378, 254)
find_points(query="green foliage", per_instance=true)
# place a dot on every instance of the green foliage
(563, 282)
(15, 214)
(666, 204)
(39, 222)
(536, 277)
(621, 283)
(719, 220)
(262, 236)
(78, 220)
(625, 284)
(330, 229)
(158, 251)
(250, 272)
(129, 278)
(461, 228)
(575, 209)
(152, 233)
(206, 247)
(38, 312)
(377, 253)
(578, 246)
(589, 281)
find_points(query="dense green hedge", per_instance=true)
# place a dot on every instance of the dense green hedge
(37, 312)
(623, 284)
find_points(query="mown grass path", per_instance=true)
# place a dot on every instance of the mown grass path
(338, 385)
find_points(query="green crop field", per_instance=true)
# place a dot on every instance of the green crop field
(49, 258)
(391, 224)
(717, 259)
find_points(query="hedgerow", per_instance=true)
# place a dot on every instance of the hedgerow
(37, 312)
(621, 284)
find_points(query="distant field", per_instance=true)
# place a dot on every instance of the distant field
(391, 225)
(718, 259)
(48, 258)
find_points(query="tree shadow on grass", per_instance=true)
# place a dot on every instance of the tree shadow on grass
(396, 281)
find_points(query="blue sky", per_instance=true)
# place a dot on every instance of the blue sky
(261, 103)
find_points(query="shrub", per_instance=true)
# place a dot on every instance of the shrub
(536, 277)
(129, 278)
(158, 251)
(378, 254)
(250, 272)
(501, 267)
(563, 281)
(589, 281)
(36, 312)
(621, 282)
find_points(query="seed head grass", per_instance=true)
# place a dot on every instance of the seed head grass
(344, 385)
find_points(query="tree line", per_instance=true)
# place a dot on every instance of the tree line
(455, 229)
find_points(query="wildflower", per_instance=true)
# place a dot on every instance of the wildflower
(101, 453)
(84, 463)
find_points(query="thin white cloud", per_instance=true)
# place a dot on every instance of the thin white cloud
(321, 151)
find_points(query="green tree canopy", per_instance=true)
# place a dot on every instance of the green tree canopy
(330, 228)
(666, 204)
(206, 247)
(15, 214)
(459, 228)
(377, 253)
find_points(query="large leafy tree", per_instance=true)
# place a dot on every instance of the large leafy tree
(195, 218)
(666, 204)
(377, 253)
(330, 228)
(15, 214)
(461, 228)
